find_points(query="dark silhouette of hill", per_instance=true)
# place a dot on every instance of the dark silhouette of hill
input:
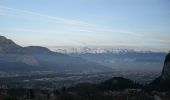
(165, 77)
(114, 84)
(118, 83)
(163, 81)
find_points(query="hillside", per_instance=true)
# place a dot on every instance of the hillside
(16, 58)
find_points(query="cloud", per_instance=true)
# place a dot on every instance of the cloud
(88, 33)
(34, 30)
(7, 11)
(151, 36)
(82, 26)
(124, 33)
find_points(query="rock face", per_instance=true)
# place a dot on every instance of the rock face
(163, 81)
(166, 70)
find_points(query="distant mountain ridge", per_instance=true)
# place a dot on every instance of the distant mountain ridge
(98, 50)
(116, 58)
(15, 57)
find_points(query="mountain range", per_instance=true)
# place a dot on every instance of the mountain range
(99, 50)
(14, 57)
(118, 59)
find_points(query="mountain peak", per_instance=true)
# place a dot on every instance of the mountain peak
(7, 45)
(4, 41)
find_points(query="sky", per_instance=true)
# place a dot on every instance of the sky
(143, 24)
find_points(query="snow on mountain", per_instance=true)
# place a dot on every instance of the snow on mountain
(94, 50)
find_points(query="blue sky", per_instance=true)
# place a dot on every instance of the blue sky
(141, 24)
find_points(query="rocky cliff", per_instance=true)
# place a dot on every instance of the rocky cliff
(166, 70)
(163, 82)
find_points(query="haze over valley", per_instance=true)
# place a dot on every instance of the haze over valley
(84, 50)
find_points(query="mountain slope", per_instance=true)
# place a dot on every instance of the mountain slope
(15, 57)
(166, 69)
(163, 81)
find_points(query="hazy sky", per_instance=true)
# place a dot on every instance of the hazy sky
(133, 23)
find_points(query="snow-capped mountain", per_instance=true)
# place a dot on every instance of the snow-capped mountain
(128, 59)
(95, 50)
